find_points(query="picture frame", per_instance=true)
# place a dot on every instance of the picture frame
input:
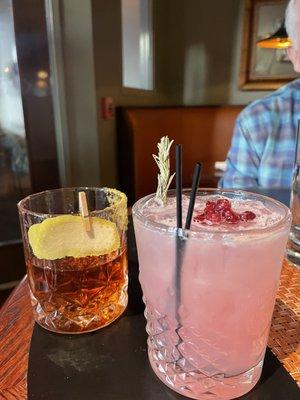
(263, 69)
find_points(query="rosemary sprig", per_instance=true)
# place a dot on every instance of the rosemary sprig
(163, 162)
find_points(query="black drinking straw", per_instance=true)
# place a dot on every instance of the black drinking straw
(180, 240)
(195, 184)
(179, 185)
(179, 237)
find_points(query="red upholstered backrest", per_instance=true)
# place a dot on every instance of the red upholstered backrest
(205, 133)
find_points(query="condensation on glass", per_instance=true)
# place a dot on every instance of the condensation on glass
(14, 169)
(137, 46)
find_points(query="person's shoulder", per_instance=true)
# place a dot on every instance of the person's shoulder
(288, 92)
(273, 102)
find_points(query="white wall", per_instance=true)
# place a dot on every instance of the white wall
(204, 51)
(197, 51)
(70, 35)
(108, 68)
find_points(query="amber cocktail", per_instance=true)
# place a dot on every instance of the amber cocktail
(77, 277)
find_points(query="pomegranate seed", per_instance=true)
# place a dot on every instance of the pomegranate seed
(231, 217)
(247, 216)
(199, 217)
(223, 204)
(210, 206)
(214, 217)
(220, 211)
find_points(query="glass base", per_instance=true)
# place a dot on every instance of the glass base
(196, 385)
(176, 358)
(61, 322)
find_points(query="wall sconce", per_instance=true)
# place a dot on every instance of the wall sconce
(279, 40)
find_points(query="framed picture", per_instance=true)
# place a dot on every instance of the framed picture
(260, 68)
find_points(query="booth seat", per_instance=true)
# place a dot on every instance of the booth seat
(204, 131)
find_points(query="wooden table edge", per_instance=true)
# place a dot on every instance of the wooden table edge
(16, 326)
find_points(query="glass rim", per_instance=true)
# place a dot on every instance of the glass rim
(198, 233)
(23, 209)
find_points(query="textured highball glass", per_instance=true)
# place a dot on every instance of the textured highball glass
(211, 345)
(76, 294)
(293, 247)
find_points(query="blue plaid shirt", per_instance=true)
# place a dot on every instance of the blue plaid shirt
(262, 151)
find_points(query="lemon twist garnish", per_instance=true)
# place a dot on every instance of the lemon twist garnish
(66, 236)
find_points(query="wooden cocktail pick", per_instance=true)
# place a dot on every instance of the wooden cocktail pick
(84, 211)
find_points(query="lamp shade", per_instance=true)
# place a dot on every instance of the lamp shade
(279, 40)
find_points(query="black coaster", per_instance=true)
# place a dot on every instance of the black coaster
(112, 364)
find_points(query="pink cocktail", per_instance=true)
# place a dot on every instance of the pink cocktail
(209, 340)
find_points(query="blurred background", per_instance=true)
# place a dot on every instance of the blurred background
(70, 70)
